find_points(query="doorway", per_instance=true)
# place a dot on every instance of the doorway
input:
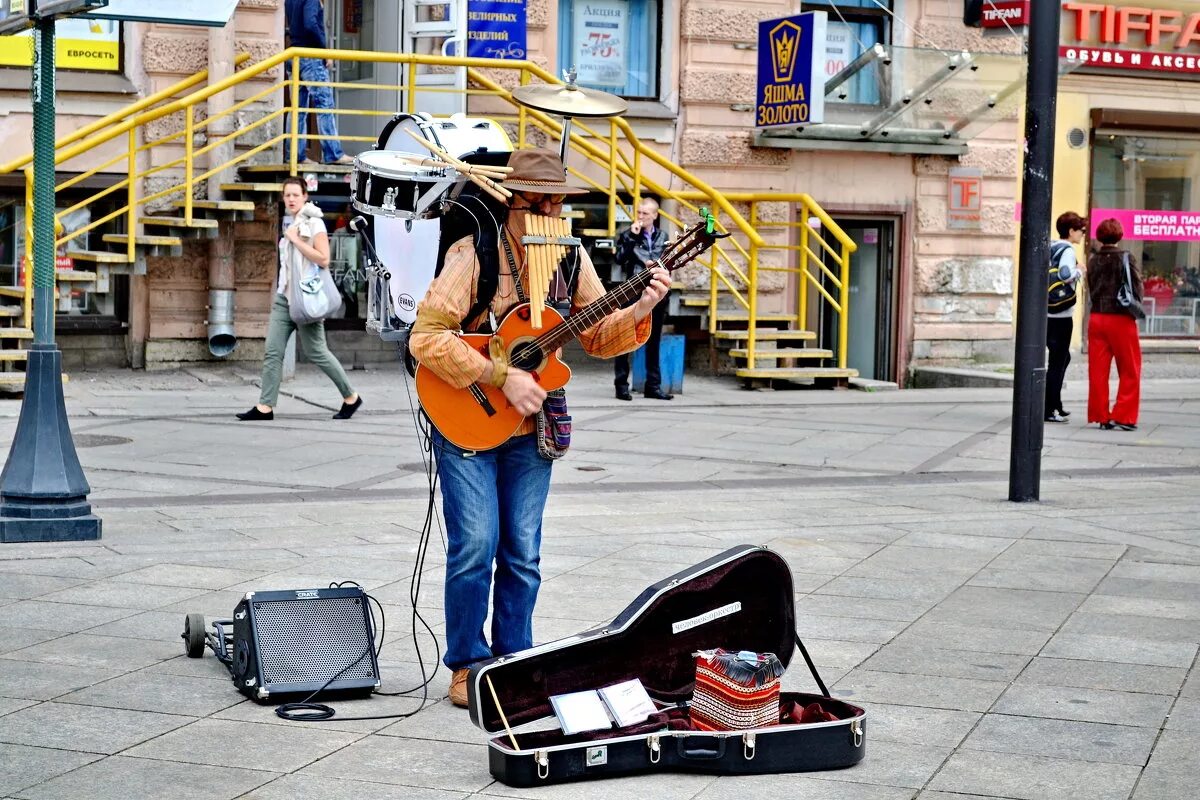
(870, 345)
(429, 27)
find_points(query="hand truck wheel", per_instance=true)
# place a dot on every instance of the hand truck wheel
(193, 635)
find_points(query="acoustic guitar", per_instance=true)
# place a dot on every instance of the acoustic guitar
(479, 417)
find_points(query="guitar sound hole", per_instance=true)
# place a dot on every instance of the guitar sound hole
(527, 357)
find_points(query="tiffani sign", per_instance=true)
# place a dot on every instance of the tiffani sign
(1164, 38)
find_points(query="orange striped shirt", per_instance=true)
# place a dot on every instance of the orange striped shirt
(453, 293)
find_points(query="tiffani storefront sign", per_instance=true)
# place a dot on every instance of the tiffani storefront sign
(1163, 38)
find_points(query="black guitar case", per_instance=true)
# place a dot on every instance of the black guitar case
(741, 599)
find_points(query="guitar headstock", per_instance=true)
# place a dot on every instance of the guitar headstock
(694, 241)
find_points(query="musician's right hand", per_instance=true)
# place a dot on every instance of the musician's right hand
(636, 227)
(523, 392)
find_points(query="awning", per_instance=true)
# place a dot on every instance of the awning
(910, 100)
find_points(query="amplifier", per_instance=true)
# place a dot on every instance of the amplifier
(295, 641)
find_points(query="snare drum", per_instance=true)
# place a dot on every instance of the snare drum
(387, 185)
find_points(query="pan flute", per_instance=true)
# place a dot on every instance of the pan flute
(546, 242)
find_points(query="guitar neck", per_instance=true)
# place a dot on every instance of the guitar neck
(592, 313)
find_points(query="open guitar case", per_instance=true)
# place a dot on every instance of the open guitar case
(741, 599)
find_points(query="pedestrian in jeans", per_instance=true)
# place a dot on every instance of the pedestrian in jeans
(306, 28)
(306, 236)
(1060, 322)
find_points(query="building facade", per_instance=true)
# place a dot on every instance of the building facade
(918, 157)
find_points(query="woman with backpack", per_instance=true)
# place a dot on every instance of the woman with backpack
(1115, 290)
(1060, 323)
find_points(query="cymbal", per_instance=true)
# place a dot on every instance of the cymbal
(569, 100)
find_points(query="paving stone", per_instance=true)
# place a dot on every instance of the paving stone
(33, 681)
(1005, 608)
(291, 787)
(1130, 651)
(875, 631)
(1172, 769)
(1103, 675)
(1064, 739)
(211, 741)
(1158, 590)
(976, 638)
(1185, 715)
(60, 616)
(1025, 777)
(187, 575)
(908, 658)
(1043, 547)
(1037, 581)
(166, 694)
(669, 787)
(1142, 607)
(1131, 627)
(914, 725)
(793, 787)
(82, 649)
(892, 764)
(375, 706)
(19, 638)
(17, 586)
(1086, 705)
(145, 779)
(863, 686)
(85, 729)
(436, 765)
(118, 594)
(22, 767)
(860, 607)
(890, 589)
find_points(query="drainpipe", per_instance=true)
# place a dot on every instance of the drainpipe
(221, 250)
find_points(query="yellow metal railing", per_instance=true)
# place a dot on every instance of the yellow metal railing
(609, 148)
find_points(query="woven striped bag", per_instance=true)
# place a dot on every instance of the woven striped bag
(736, 691)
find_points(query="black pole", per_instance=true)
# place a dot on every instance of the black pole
(43, 492)
(1029, 386)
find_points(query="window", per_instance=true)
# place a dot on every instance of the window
(613, 44)
(854, 26)
(1151, 184)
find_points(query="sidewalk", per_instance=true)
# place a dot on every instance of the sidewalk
(1002, 650)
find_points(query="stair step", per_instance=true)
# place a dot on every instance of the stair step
(12, 291)
(740, 315)
(796, 373)
(180, 222)
(770, 355)
(11, 311)
(16, 333)
(217, 205)
(256, 188)
(143, 241)
(305, 166)
(12, 355)
(16, 380)
(765, 334)
(98, 256)
(75, 275)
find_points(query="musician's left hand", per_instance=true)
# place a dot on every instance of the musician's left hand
(653, 294)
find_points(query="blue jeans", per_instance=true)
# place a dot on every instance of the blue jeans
(319, 97)
(493, 503)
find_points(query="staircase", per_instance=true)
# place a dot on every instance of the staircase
(759, 348)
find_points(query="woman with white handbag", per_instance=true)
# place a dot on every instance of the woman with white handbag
(304, 296)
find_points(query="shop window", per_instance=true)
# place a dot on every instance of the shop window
(854, 26)
(91, 45)
(1152, 185)
(613, 44)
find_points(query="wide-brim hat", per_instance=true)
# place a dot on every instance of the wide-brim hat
(538, 171)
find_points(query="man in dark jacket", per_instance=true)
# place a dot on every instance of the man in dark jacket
(306, 28)
(636, 248)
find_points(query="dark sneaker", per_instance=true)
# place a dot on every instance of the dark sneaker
(347, 410)
(623, 394)
(1054, 416)
(1063, 413)
(1108, 426)
(254, 414)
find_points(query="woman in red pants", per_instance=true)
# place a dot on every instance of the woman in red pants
(1112, 332)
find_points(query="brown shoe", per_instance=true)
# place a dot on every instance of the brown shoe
(458, 687)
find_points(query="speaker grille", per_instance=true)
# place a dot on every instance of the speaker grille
(312, 640)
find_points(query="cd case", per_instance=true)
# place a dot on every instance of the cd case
(626, 703)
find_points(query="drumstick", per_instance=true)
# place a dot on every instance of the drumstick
(481, 169)
(487, 184)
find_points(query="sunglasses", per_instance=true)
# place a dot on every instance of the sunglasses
(540, 199)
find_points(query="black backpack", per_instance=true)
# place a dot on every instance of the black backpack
(1061, 293)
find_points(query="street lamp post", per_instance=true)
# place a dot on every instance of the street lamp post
(1029, 379)
(43, 492)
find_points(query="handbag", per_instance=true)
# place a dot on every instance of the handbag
(554, 426)
(312, 293)
(1125, 296)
